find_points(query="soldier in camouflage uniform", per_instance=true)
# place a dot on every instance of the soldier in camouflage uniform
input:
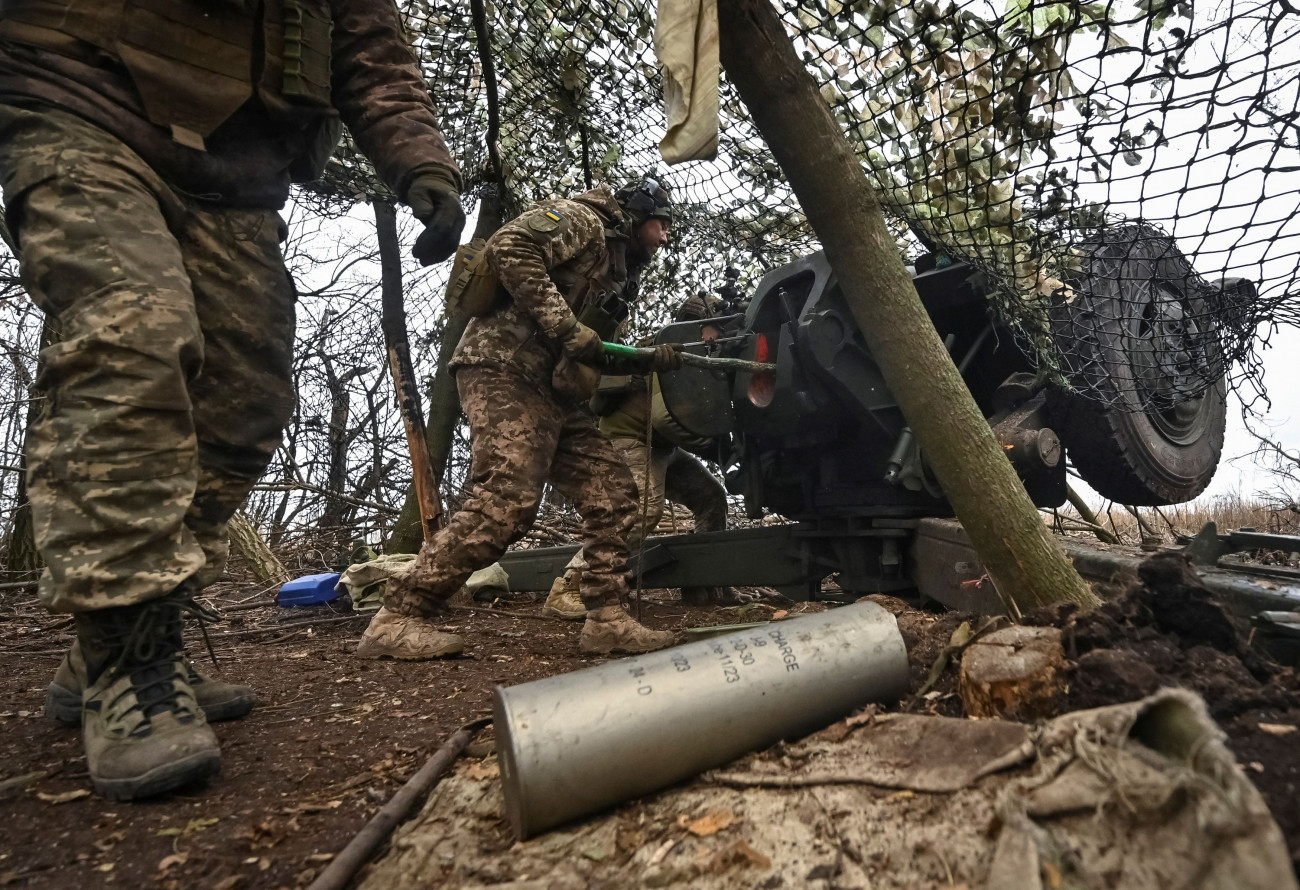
(145, 149)
(662, 470)
(526, 372)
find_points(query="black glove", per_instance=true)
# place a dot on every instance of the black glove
(667, 357)
(434, 200)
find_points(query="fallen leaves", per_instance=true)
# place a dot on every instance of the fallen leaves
(191, 827)
(310, 806)
(738, 853)
(1277, 728)
(483, 770)
(109, 841)
(710, 823)
(65, 796)
(175, 859)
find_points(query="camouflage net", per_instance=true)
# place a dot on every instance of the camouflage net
(1104, 164)
(1012, 138)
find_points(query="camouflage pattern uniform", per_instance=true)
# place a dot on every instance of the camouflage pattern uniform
(155, 253)
(662, 470)
(524, 430)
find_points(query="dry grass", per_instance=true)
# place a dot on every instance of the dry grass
(1227, 511)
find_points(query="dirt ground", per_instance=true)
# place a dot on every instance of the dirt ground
(334, 737)
(331, 740)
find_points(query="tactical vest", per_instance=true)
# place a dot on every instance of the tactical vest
(195, 62)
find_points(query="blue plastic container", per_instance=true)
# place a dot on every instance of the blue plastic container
(309, 589)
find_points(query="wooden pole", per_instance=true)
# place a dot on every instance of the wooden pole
(399, 364)
(1023, 558)
(1087, 514)
(444, 400)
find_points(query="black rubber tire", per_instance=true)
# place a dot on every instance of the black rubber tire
(1128, 427)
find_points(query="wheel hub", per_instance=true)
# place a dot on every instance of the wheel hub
(1165, 347)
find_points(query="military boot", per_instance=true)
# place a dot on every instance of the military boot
(407, 638)
(218, 700)
(565, 601)
(143, 730)
(611, 629)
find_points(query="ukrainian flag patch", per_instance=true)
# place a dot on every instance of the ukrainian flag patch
(553, 216)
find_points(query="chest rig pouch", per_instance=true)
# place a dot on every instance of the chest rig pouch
(604, 303)
(597, 297)
(193, 61)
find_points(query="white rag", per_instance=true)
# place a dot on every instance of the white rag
(686, 41)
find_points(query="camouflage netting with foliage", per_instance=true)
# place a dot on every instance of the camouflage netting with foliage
(1105, 163)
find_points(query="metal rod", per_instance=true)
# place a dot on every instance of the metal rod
(734, 339)
(359, 850)
(699, 361)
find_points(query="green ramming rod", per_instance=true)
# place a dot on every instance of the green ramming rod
(698, 361)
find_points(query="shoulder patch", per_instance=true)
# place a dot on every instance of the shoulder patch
(547, 223)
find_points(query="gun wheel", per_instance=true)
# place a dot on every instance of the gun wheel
(1145, 422)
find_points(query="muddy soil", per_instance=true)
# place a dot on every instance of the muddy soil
(331, 740)
(334, 737)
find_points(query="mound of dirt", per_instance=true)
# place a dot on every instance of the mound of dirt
(1167, 630)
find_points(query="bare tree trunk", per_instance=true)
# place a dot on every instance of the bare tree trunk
(1019, 552)
(444, 400)
(337, 439)
(21, 555)
(249, 544)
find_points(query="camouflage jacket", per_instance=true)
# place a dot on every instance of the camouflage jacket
(64, 55)
(553, 260)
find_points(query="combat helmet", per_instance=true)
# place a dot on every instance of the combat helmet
(699, 307)
(644, 200)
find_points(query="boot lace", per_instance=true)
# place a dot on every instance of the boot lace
(150, 653)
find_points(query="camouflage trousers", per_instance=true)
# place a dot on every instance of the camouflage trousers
(521, 437)
(669, 473)
(164, 396)
(663, 473)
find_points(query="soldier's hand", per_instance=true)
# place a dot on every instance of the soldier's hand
(667, 357)
(435, 202)
(582, 344)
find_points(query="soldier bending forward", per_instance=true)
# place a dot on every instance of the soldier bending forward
(525, 373)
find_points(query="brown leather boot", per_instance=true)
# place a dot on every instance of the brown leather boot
(565, 601)
(143, 730)
(218, 699)
(611, 629)
(407, 638)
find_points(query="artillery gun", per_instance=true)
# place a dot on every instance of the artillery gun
(820, 442)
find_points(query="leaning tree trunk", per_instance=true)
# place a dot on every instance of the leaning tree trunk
(249, 544)
(444, 400)
(1023, 560)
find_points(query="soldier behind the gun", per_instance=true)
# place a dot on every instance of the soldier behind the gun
(661, 469)
(525, 372)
